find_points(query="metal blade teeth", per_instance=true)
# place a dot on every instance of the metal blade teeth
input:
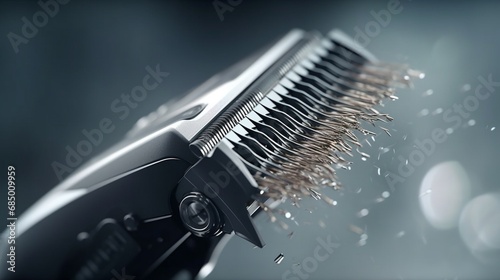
(299, 131)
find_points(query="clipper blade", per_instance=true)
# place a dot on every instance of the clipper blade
(298, 122)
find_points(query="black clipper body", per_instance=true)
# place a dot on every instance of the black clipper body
(163, 199)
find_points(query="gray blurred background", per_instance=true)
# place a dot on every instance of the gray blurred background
(437, 217)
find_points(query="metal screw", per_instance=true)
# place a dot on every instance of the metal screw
(199, 215)
(130, 222)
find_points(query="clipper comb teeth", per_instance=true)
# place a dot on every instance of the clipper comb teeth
(293, 131)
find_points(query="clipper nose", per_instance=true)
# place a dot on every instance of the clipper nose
(214, 195)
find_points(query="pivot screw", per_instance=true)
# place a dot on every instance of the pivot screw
(200, 215)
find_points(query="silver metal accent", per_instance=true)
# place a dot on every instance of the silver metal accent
(209, 138)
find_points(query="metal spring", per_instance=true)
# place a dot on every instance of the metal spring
(212, 135)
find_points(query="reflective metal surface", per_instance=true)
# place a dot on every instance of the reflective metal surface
(423, 205)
